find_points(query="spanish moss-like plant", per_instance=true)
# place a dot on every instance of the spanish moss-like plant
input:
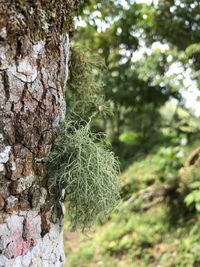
(84, 92)
(83, 166)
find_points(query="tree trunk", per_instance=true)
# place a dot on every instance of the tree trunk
(34, 54)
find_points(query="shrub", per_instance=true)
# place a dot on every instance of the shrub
(191, 186)
(83, 257)
(170, 160)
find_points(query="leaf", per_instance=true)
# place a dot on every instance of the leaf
(189, 199)
(192, 49)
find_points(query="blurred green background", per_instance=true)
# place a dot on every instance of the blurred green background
(149, 53)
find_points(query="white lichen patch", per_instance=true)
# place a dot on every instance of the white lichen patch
(24, 71)
(1, 137)
(67, 55)
(1, 167)
(4, 154)
(45, 251)
(2, 96)
(38, 49)
(14, 221)
(43, 196)
(39, 197)
(13, 166)
(3, 65)
(45, 24)
(3, 59)
(3, 33)
(24, 183)
(11, 201)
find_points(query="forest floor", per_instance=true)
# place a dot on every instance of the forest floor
(149, 228)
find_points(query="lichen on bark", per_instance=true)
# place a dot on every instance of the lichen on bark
(38, 20)
(34, 55)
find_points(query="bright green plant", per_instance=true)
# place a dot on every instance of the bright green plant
(170, 160)
(192, 187)
(83, 258)
(129, 137)
(83, 166)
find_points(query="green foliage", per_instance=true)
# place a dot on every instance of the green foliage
(146, 238)
(192, 49)
(181, 17)
(147, 68)
(169, 162)
(139, 175)
(136, 88)
(191, 187)
(132, 234)
(83, 258)
(82, 165)
(129, 137)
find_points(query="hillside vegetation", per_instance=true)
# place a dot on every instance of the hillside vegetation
(155, 225)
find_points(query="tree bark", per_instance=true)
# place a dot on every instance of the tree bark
(34, 55)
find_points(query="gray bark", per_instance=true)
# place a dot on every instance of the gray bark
(34, 54)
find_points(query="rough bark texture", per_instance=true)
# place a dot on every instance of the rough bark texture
(34, 54)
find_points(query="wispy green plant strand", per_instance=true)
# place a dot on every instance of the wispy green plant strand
(83, 166)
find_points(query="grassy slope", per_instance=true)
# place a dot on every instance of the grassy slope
(139, 239)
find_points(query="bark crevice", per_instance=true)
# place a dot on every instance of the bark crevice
(5, 82)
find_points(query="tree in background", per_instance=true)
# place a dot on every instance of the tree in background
(150, 54)
(136, 76)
